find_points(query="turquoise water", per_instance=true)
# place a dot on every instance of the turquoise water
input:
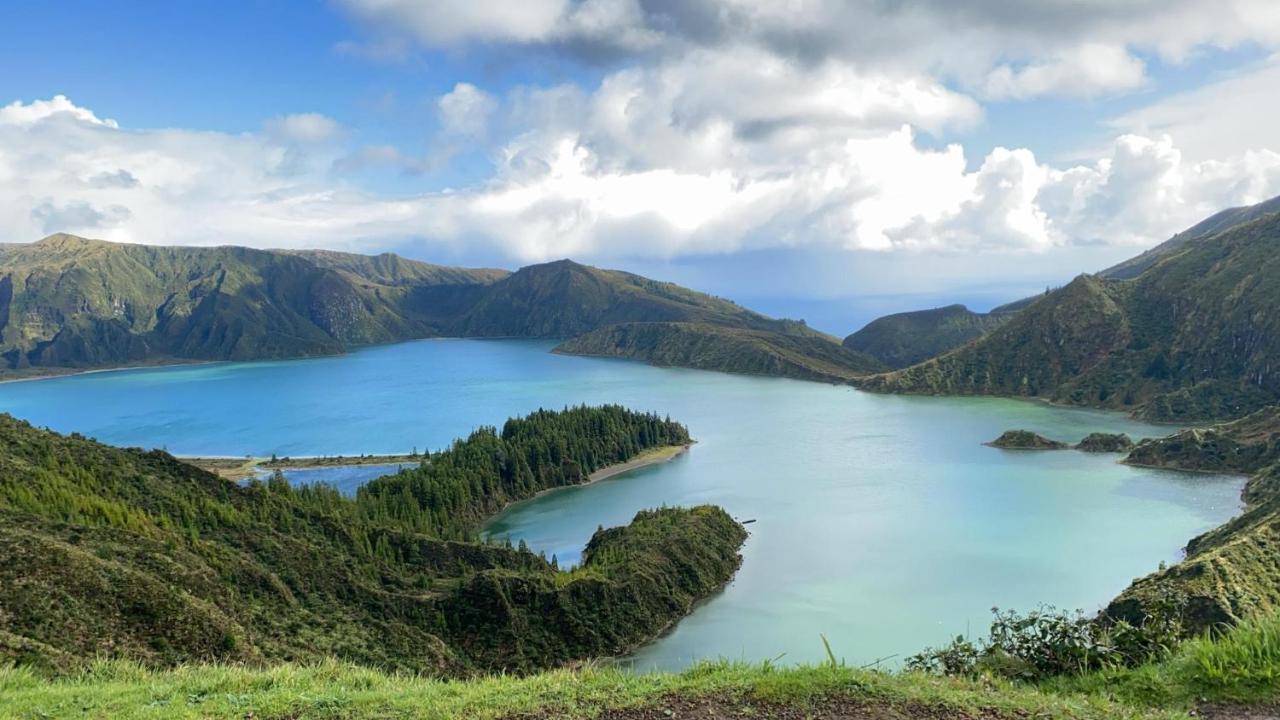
(881, 522)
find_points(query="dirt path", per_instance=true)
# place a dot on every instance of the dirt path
(833, 708)
(1240, 712)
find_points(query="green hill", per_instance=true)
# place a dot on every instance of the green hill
(68, 302)
(908, 338)
(563, 299)
(1225, 220)
(1231, 573)
(1194, 337)
(804, 354)
(111, 553)
(71, 303)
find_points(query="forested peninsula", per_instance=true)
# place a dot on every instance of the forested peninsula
(132, 554)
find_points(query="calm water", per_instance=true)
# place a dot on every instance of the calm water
(881, 522)
(345, 478)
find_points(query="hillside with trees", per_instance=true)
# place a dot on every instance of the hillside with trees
(131, 554)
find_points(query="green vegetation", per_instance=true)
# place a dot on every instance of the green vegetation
(1242, 666)
(71, 303)
(452, 492)
(1105, 443)
(794, 352)
(1231, 573)
(1194, 337)
(129, 554)
(1216, 223)
(1025, 440)
(912, 337)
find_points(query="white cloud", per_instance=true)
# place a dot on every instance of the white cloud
(304, 127)
(1228, 116)
(465, 110)
(1084, 71)
(26, 114)
(632, 178)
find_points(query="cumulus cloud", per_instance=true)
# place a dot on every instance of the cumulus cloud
(592, 190)
(58, 107)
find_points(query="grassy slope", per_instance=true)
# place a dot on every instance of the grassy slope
(1192, 338)
(1231, 573)
(803, 355)
(134, 554)
(1133, 267)
(908, 338)
(1243, 666)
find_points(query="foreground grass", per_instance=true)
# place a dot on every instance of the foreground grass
(1243, 666)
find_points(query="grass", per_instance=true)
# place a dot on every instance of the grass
(332, 690)
(1242, 666)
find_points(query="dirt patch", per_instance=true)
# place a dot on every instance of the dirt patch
(832, 708)
(1240, 712)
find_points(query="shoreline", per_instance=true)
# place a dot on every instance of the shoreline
(238, 468)
(51, 373)
(54, 373)
(653, 456)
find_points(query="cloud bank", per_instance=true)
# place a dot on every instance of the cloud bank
(655, 163)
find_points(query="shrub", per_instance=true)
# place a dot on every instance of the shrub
(1047, 642)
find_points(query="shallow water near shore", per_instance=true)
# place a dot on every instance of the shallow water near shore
(881, 521)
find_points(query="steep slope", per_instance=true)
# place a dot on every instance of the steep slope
(800, 355)
(908, 338)
(1231, 573)
(129, 554)
(1194, 337)
(70, 302)
(1217, 223)
(562, 299)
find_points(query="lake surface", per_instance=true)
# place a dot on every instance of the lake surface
(345, 478)
(881, 521)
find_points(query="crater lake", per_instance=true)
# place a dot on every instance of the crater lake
(881, 522)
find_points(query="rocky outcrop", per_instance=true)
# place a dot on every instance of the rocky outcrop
(1026, 440)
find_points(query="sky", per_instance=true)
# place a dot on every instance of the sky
(811, 158)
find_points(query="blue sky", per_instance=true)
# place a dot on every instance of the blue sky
(826, 158)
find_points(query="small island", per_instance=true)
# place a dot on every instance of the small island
(1105, 443)
(1026, 440)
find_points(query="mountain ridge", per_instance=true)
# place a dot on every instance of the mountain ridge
(70, 303)
(1192, 338)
